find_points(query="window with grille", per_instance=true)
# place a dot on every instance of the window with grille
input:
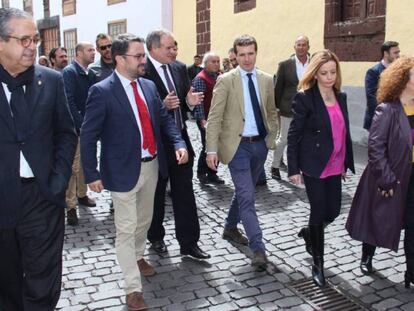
(351, 24)
(28, 6)
(68, 7)
(69, 37)
(117, 27)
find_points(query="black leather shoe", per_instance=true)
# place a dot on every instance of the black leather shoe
(72, 217)
(214, 179)
(276, 173)
(195, 252)
(262, 182)
(87, 201)
(202, 178)
(366, 265)
(159, 246)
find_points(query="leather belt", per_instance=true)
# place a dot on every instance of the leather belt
(148, 159)
(27, 180)
(251, 139)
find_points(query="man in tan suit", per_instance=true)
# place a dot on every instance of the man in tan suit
(241, 127)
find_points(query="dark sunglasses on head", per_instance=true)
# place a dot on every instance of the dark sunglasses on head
(104, 47)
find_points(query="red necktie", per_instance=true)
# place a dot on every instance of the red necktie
(147, 132)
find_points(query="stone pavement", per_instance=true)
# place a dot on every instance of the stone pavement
(92, 279)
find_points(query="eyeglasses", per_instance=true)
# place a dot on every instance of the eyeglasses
(104, 47)
(137, 56)
(26, 40)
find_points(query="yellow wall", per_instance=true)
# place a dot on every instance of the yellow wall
(184, 28)
(276, 24)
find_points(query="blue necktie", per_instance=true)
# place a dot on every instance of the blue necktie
(256, 108)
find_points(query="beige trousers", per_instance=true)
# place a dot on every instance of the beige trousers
(133, 216)
(76, 187)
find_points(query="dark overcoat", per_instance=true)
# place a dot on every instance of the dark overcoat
(373, 218)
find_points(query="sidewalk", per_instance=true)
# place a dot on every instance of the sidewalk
(92, 279)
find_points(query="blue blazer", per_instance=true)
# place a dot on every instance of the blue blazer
(110, 119)
(371, 86)
(49, 147)
(310, 142)
(77, 84)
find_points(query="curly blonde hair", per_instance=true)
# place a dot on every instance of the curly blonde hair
(317, 60)
(394, 79)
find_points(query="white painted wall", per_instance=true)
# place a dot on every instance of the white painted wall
(92, 16)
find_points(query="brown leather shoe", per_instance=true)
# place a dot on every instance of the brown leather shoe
(87, 201)
(72, 217)
(145, 268)
(135, 301)
(234, 234)
(259, 261)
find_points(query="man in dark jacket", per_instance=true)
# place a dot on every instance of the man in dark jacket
(78, 79)
(195, 68)
(37, 145)
(104, 67)
(390, 52)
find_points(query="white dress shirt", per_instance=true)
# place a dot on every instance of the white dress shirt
(126, 83)
(25, 170)
(300, 67)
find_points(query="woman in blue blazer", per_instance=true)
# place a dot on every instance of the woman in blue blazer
(320, 149)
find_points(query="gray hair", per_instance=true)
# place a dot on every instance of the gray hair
(121, 44)
(7, 14)
(154, 38)
(207, 55)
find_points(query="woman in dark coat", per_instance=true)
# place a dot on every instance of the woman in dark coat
(379, 208)
(320, 149)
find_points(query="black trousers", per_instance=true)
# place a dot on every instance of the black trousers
(324, 197)
(31, 255)
(187, 227)
(202, 167)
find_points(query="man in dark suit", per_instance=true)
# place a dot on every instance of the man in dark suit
(78, 80)
(174, 88)
(37, 146)
(288, 75)
(195, 68)
(390, 51)
(126, 114)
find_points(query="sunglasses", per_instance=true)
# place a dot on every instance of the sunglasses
(104, 47)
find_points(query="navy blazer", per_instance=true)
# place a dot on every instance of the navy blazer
(371, 86)
(310, 142)
(49, 148)
(77, 84)
(110, 119)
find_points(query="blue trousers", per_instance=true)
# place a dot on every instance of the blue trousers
(245, 169)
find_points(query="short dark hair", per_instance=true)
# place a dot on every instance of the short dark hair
(6, 14)
(197, 56)
(121, 44)
(387, 45)
(154, 38)
(102, 36)
(244, 40)
(52, 53)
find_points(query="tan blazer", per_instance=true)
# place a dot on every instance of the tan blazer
(225, 121)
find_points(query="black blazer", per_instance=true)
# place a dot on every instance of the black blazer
(49, 148)
(310, 142)
(371, 86)
(182, 84)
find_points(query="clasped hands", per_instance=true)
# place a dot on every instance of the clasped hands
(387, 193)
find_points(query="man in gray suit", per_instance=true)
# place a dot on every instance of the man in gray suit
(288, 75)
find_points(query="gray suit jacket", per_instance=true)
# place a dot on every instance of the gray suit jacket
(286, 86)
(225, 121)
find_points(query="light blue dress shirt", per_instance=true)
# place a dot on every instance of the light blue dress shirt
(250, 127)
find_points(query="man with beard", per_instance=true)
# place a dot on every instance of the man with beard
(58, 58)
(119, 107)
(37, 145)
(77, 80)
(104, 67)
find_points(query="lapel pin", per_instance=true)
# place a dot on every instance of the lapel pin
(39, 82)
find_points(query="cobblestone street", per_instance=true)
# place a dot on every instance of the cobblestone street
(92, 279)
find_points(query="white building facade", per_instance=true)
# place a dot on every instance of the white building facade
(66, 22)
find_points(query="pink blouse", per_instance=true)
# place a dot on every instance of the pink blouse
(336, 163)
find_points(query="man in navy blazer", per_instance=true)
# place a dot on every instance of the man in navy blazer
(37, 145)
(78, 80)
(390, 52)
(126, 114)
